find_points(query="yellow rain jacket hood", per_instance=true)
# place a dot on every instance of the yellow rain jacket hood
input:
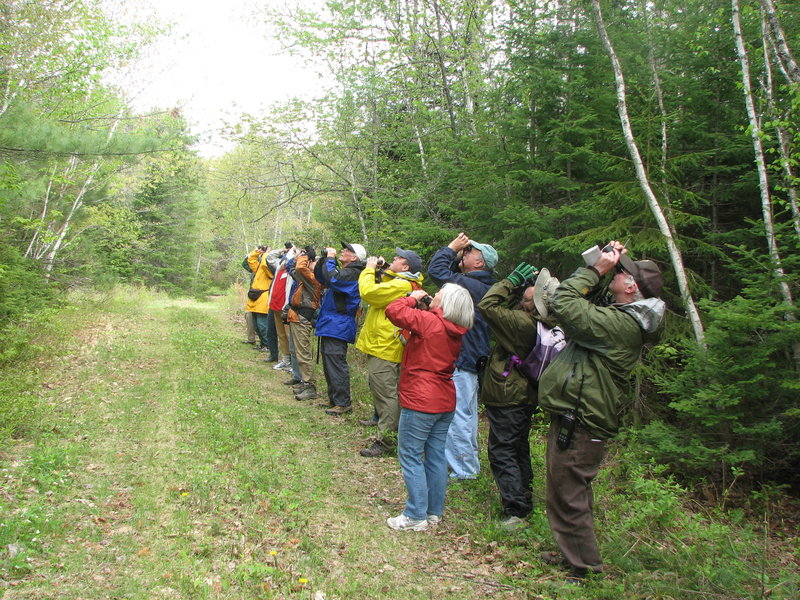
(379, 337)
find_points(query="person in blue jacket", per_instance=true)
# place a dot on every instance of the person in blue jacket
(336, 323)
(469, 264)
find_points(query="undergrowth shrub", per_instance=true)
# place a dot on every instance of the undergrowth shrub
(733, 406)
(24, 296)
(667, 548)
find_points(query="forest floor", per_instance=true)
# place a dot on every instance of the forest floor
(170, 461)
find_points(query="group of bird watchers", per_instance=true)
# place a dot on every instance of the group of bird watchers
(430, 358)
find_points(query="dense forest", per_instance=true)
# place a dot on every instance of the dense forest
(541, 127)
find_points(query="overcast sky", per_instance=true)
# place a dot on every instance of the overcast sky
(219, 61)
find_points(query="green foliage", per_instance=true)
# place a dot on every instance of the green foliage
(648, 527)
(733, 406)
(23, 293)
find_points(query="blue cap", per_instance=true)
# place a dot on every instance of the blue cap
(412, 258)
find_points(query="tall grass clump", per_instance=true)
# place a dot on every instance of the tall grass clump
(668, 546)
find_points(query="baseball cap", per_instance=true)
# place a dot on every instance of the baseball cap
(489, 254)
(413, 259)
(356, 249)
(646, 274)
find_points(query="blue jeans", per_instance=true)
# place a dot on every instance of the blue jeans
(462, 439)
(420, 449)
(271, 337)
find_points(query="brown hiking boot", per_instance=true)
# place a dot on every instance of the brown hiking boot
(338, 410)
(378, 448)
(555, 559)
(308, 392)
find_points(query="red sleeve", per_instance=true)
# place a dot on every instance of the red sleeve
(403, 313)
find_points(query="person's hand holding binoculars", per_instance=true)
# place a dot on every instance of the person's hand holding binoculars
(521, 274)
(609, 257)
(422, 298)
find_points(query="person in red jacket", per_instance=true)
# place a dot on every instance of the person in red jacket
(427, 396)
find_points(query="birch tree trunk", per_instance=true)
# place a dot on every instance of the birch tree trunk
(43, 214)
(641, 174)
(783, 52)
(77, 203)
(755, 134)
(651, 60)
(357, 203)
(443, 68)
(784, 137)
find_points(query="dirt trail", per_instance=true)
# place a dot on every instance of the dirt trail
(193, 473)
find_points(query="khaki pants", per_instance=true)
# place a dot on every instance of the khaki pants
(283, 333)
(569, 496)
(249, 322)
(301, 332)
(383, 379)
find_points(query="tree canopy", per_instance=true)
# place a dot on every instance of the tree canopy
(540, 127)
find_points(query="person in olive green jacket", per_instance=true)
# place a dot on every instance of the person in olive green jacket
(581, 390)
(508, 396)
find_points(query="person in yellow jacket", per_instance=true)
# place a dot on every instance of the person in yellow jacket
(381, 341)
(262, 280)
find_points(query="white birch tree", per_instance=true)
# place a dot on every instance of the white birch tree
(761, 167)
(641, 175)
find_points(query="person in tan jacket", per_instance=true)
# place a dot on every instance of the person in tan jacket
(301, 315)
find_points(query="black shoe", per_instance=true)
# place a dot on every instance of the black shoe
(271, 359)
(377, 449)
(369, 422)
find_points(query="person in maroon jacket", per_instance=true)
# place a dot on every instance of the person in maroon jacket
(427, 396)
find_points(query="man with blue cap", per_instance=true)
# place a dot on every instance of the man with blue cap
(469, 264)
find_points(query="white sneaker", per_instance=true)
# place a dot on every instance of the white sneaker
(434, 520)
(403, 523)
(281, 365)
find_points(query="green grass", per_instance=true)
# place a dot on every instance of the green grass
(160, 458)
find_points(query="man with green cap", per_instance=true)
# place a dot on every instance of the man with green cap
(469, 264)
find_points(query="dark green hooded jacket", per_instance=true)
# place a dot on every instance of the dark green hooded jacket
(514, 332)
(604, 344)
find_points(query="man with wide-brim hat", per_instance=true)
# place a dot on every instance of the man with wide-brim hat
(580, 390)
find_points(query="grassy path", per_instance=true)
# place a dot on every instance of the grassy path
(169, 461)
(176, 465)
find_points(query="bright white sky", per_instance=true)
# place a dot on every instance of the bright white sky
(219, 61)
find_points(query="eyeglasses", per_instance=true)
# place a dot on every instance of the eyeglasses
(618, 268)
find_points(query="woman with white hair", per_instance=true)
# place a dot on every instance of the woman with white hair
(427, 396)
